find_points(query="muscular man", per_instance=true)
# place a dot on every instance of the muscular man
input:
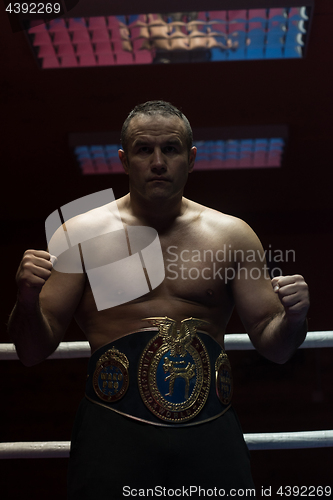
(135, 442)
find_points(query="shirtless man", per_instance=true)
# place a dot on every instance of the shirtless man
(157, 156)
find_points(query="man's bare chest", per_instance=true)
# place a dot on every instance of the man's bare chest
(197, 267)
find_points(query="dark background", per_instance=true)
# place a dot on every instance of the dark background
(289, 208)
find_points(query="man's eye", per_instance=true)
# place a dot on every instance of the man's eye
(170, 149)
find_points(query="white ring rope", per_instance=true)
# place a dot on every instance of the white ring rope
(233, 342)
(266, 441)
(48, 449)
(289, 440)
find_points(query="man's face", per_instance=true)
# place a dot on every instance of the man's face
(157, 161)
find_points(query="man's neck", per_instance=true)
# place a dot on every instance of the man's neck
(158, 213)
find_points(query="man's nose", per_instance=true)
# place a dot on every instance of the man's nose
(158, 161)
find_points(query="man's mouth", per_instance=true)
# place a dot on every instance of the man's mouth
(159, 179)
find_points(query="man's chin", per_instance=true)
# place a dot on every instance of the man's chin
(158, 197)
(162, 191)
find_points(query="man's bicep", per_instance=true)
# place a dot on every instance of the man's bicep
(255, 300)
(59, 299)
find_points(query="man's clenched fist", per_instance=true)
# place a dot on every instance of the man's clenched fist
(294, 296)
(33, 272)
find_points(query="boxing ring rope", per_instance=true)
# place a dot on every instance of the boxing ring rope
(256, 441)
(232, 341)
(267, 441)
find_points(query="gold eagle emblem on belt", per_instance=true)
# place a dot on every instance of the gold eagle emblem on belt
(174, 370)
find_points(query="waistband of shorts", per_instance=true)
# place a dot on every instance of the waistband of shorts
(126, 376)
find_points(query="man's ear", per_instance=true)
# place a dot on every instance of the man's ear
(192, 155)
(123, 159)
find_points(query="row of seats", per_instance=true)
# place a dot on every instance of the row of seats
(224, 17)
(86, 60)
(104, 166)
(107, 57)
(256, 34)
(211, 155)
(235, 42)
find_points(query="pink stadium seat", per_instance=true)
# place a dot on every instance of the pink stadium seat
(42, 38)
(81, 36)
(46, 51)
(105, 60)
(140, 44)
(61, 37)
(50, 62)
(57, 25)
(97, 23)
(259, 159)
(103, 48)
(68, 61)
(237, 15)
(87, 60)
(241, 27)
(143, 57)
(37, 27)
(66, 49)
(87, 166)
(257, 14)
(77, 24)
(122, 46)
(99, 35)
(84, 48)
(124, 58)
(217, 15)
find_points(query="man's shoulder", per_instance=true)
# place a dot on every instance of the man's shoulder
(105, 216)
(224, 227)
(215, 219)
(88, 225)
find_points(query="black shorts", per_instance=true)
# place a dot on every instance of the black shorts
(116, 457)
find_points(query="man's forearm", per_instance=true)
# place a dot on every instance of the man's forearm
(281, 337)
(31, 333)
(282, 334)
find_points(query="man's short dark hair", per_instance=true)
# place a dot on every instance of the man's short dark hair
(151, 108)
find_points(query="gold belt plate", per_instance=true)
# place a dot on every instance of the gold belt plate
(111, 378)
(223, 378)
(174, 371)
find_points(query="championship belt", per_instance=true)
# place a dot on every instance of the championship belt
(162, 375)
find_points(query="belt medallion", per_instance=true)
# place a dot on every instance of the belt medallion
(111, 379)
(223, 379)
(174, 370)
